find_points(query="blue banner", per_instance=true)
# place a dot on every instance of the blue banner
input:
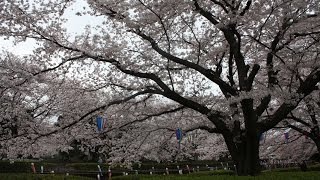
(179, 134)
(100, 123)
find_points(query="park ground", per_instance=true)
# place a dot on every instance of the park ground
(313, 173)
(310, 175)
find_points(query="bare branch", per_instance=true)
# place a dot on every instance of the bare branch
(306, 133)
(246, 8)
(150, 116)
(202, 127)
(205, 13)
(60, 64)
(298, 120)
(207, 73)
(252, 75)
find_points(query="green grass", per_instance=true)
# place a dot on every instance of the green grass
(208, 175)
(315, 167)
(312, 175)
(25, 176)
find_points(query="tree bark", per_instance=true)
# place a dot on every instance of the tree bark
(318, 145)
(244, 151)
(316, 140)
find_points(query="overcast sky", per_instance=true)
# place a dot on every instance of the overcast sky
(75, 26)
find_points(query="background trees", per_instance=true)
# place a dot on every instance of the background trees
(305, 119)
(24, 108)
(243, 65)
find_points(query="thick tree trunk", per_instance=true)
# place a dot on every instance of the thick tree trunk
(245, 154)
(317, 141)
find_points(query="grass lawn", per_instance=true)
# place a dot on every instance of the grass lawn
(26, 176)
(211, 175)
(311, 175)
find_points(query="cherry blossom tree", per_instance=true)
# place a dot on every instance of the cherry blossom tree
(276, 148)
(30, 103)
(242, 64)
(305, 119)
(136, 136)
(22, 105)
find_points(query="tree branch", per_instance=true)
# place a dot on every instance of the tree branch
(103, 107)
(150, 116)
(298, 120)
(246, 8)
(253, 74)
(207, 73)
(304, 89)
(221, 5)
(60, 64)
(306, 133)
(205, 13)
(202, 127)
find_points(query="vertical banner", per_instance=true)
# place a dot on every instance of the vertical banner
(99, 123)
(286, 136)
(179, 136)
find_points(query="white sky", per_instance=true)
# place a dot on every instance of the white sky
(75, 26)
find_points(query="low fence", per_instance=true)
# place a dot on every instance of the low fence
(26, 167)
(67, 169)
